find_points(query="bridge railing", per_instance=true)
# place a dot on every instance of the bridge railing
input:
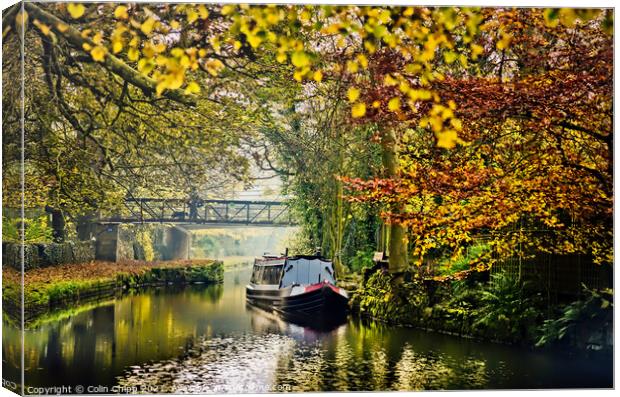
(155, 210)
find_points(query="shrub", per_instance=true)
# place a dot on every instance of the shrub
(36, 230)
(592, 315)
(509, 310)
(361, 260)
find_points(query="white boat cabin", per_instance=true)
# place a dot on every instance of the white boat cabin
(302, 270)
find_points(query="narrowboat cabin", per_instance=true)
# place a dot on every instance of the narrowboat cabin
(299, 285)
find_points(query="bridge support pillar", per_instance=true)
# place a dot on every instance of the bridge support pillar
(106, 242)
(177, 242)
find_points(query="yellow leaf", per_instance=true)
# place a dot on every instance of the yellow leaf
(281, 57)
(192, 15)
(389, 80)
(148, 50)
(304, 16)
(121, 12)
(159, 48)
(300, 59)
(370, 46)
(117, 47)
(176, 80)
(42, 27)
(133, 54)
(145, 66)
(504, 42)
(161, 60)
(175, 25)
(86, 46)
(353, 94)
(363, 61)
(202, 53)
(551, 16)
(456, 123)
(447, 139)
(203, 12)
(254, 40)
(352, 67)
(358, 110)
(98, 53)
(318, 76)
(376, 104)
(449, 56)
(161, 86)
(237, 44)
(476, 50)
(192, 88)
(76, 10)
(385, 16)
(147, 26)
(214, 66)
(394, 104)
(97, 38)
(62, 27)
(228, 9)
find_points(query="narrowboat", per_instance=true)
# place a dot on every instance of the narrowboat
(301, 286)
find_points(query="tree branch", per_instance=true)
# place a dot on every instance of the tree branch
(111, 62)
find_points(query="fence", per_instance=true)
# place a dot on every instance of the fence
(558, 276)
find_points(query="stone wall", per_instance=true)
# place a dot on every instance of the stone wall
(142, 242)
(47, 254)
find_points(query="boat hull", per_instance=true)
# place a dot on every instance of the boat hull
(316, 302)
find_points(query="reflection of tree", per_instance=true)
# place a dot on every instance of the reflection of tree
(379, 370)
(97, 344)
(11, 351)
(415, 371)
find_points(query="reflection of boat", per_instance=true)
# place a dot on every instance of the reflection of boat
(299, 287)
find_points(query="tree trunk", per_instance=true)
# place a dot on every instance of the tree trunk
(397, 247)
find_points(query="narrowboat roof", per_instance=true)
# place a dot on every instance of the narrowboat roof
(274, 260)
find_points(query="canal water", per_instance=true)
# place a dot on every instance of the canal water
(205, 339)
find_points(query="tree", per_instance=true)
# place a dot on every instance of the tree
(533, 168)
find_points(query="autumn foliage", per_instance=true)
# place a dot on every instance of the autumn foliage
(534, 167)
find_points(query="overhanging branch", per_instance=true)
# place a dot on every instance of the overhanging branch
(110, 62)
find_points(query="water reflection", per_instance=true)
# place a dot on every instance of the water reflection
(205, 339)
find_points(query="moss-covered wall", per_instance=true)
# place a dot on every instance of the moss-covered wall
(142, 242)
(47, 254)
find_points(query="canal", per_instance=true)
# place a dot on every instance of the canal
(204, 339)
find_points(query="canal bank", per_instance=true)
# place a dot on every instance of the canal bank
(498, 308)
(77, 284)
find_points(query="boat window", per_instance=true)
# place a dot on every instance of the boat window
(254, 274)
(266, 274)
(307, 271)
